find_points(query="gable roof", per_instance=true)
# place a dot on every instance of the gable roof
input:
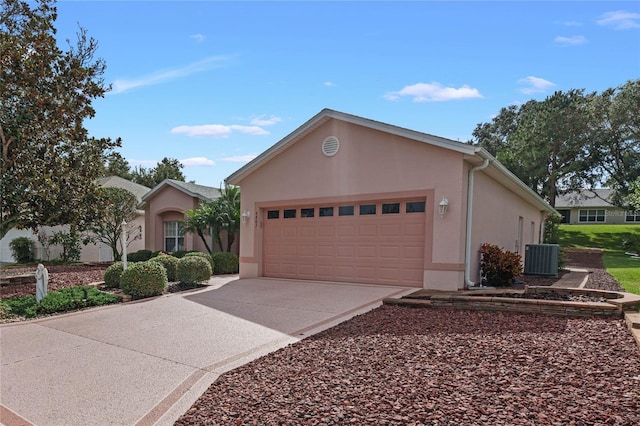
(206, 193)
(586, 198)
(473, 154)
(117, 182)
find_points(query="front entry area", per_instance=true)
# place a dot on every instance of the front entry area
(375, 242)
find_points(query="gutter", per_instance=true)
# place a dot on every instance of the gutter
(467, 256)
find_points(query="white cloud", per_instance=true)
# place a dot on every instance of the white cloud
(197, 37)
(218, 130)
(121, 86)
(619, 19)
(535, 85)
(572, 24)
(433, 92)
(261, 121)
(329, 84)
(240, 158)
(197, 161)
(571, 41)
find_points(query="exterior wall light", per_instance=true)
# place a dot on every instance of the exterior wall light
(245, 216)
(442, 207)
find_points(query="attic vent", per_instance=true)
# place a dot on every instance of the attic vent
(330, 146)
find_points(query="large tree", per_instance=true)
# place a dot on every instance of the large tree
(570, 141)
(615, 140)
(49, 163)
(117, 205)
(168, 168)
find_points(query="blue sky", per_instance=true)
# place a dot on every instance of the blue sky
(213, 84)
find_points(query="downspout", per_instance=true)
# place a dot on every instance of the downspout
(467, 261)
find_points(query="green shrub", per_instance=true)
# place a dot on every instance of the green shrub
(182, 253)
(22, 249)
(205, 256)
(67, 299)
(170, 264)
(631, 243)
(140, 256)
(193, 270)
(112, 275)
(144, 279)
(499, 268)
(225, 262)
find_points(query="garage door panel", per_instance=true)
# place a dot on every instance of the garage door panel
(306, 250)
(288, 250)
(345, 251)
(326, 231)
(345, 231)
(367, 251)
(414, 229)
(391, 252)
(391, 230)
(368, 230)
(413, 252)
(326, 251)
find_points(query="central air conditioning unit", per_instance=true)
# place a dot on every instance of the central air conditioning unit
(541, 259)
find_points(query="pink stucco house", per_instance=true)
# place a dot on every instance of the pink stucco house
(347, 199)
(164, 208)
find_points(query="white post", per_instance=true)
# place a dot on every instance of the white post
(123, 240)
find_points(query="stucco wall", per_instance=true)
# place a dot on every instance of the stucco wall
(369, 164)
(496, 216)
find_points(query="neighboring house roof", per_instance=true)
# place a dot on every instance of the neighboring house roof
(203, 192)
(472, 153)
(117, 182)
(585, 198)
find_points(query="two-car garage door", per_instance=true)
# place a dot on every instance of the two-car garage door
(379, 242)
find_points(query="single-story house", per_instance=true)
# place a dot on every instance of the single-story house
(92, 252)
(165, 206)
(593, 207)
(348, 199)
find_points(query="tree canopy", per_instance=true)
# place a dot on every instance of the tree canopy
(49, 163)
(213, 217)
(117, 205)
(570, 141)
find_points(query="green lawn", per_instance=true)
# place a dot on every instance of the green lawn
(609, 238)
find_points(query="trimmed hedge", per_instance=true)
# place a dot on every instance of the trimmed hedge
(193, 270)
(144, 279)
(112, 275)
(140, 256)
(499, 267)
(225, 262)
(22, 249)
(205, 256)
(170, 264)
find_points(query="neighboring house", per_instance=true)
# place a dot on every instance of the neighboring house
(348, 199)
(593, 207)
(93, 252)
(102, 252)
(164, 208)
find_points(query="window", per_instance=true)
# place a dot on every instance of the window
(592, 216)
(345, 211)
(273, 214)
(390, 208)
(307, 212)
(325, 211)
(415, 207)
(633, 216)
(173, 237)
(289, 213)
(367, 209)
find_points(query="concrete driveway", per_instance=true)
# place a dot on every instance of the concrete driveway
(146, 362)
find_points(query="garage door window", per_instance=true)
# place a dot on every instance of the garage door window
(273, 214)
(325, 211)
(367, 209)
(307, 212)
(345, 211)
(415, 207)
(289, 213)
(390, 208)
